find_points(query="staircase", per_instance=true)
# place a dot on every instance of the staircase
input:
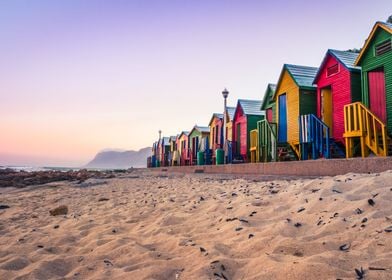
(314, 138)
(285, 152)
(254, 146)
(360, 123)
(267, 141)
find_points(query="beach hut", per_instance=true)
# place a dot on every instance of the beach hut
(164, 149)
(184, 148)
(246, 116)
(216, 133)
(196, 136)
(174, 155)
(229, 134)
(263, 139)
(295, 95)
(375, 59)
(338, 84)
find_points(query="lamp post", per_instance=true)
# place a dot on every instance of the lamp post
(225, 94)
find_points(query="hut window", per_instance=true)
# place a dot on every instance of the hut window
(383, 47)
(332, 70)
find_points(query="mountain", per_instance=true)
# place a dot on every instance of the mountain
(110, 159)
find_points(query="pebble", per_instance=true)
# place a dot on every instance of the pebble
(371, 202)
(61, 210)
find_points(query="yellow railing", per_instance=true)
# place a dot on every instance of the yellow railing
(360, 122)
(254, 147)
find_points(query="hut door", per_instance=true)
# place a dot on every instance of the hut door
(282, 129)
(238, 146)
(377, 97)
(326, 107)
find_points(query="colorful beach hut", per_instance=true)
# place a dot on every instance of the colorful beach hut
(246, 116)
(216, 133)
(174, 158)
(338, 83)
(184, 148)
(375, 59)
(196, 137)
(164, 149)
(263, 138)
(295, 95)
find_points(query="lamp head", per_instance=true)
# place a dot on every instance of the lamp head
(225, 93)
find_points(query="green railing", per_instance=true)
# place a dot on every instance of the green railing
(267, 140)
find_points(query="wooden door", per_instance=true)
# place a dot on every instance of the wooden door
(326, 108)
(282, 127)
(238, 140)
(377, 93)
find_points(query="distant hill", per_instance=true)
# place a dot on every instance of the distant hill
(120, 159)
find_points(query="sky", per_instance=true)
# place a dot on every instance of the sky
(77, 77)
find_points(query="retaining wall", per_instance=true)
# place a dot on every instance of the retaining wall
(320, 167)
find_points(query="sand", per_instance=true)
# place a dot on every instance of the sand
(145, 225)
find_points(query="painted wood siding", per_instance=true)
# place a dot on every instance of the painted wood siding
(288, 86)
(229, 130)
(370, 62)
(251, 124)
(269, 114)
(195, 134)
(340, 84)
(216, 125)
(241, 119)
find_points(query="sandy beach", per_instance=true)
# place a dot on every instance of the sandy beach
(146, 225)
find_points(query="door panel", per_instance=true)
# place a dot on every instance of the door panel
(282, 129)
(326, 108)
(377, 95)
(238, 146)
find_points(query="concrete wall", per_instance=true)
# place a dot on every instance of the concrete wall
(320, 167)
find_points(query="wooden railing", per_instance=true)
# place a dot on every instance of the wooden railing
(313, 137)
(267, 140)
(254, 146)
(360, 122)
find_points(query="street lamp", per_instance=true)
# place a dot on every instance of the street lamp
(225, 94)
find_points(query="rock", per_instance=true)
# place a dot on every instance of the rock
(3, 206)
(344, 247)
(301, 209)
(388, 229)
(371, 202)
(103, 199)
(61, 210)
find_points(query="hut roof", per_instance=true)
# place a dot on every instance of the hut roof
(379, 24)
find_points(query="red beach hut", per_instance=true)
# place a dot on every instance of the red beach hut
(338, 84)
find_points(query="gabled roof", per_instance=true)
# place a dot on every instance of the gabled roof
(303, 76)
(186, 133)
(250, 107)
(230, 112)
(201, 129)
(215, 115)
(165, 141)
(267, 96)
(346, 58)
(379, 24)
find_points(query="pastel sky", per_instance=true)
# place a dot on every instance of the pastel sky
(77, 77)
